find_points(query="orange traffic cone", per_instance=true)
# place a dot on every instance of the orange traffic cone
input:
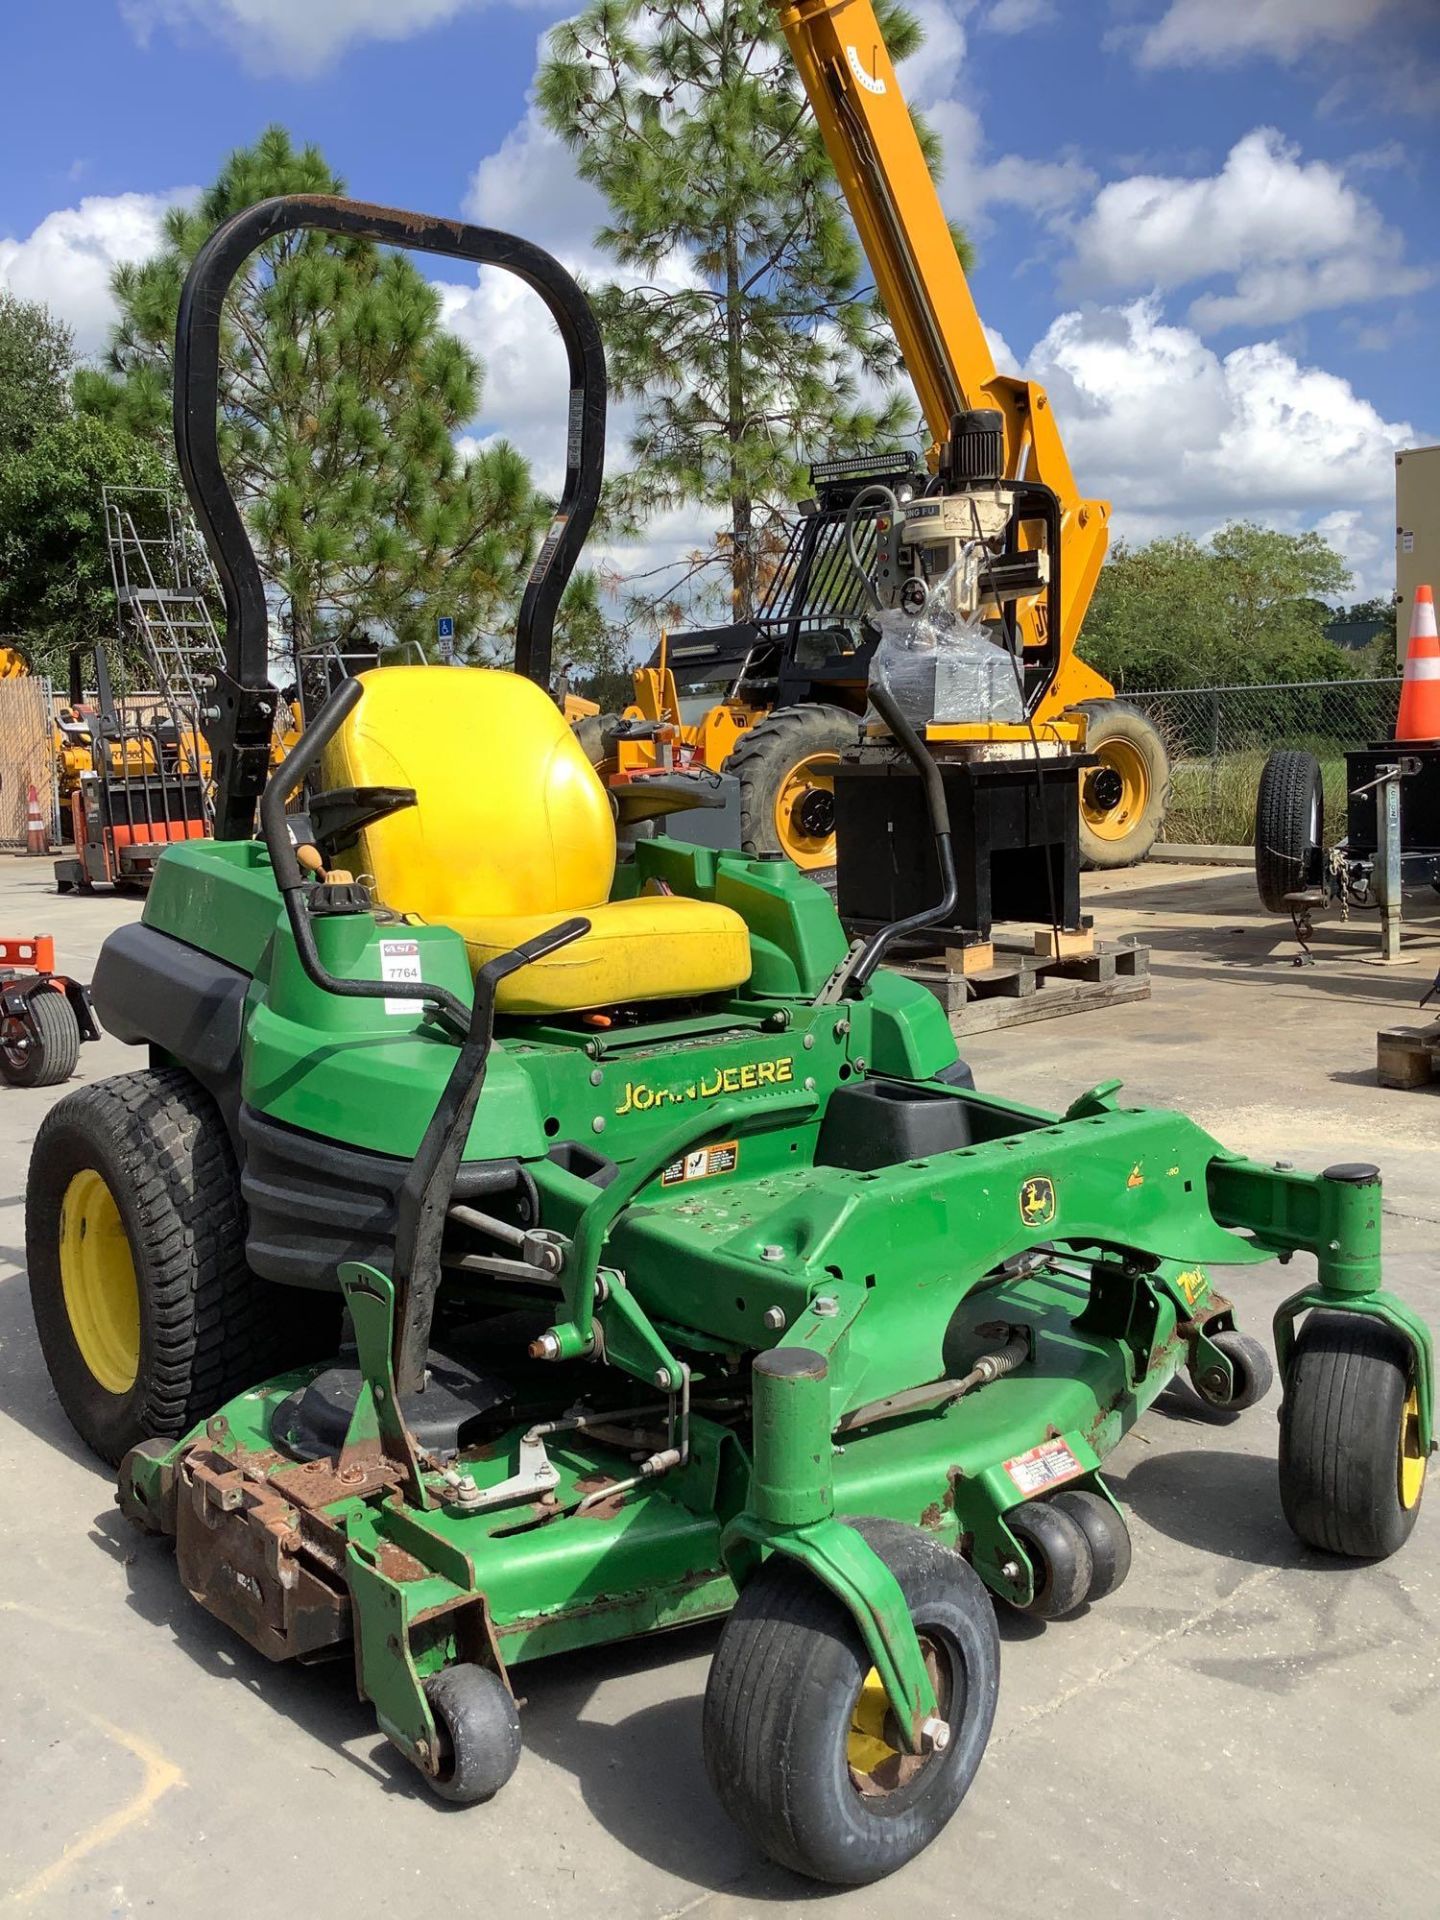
(1420, 691)
(35, 841)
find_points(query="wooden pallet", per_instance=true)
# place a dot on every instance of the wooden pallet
(1407, 1056)
(1022, 985)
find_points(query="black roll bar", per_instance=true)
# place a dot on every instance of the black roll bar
(238, 725)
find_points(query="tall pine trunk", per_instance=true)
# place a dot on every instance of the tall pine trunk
(742, 554)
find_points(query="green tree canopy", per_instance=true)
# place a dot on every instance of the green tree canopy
(55, 587)
(37, 352)
(751, 341)
(1244, 607)
(340, 397)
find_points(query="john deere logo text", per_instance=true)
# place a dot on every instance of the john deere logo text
(639, 1098)
(1037, 1201)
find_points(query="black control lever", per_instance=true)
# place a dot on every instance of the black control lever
(298, 764)
(427, 1189)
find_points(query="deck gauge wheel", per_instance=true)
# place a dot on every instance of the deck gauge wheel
(479, 1732)
(1251, 1374)
(1105, 1533)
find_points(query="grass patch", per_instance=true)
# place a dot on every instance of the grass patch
(1213, 804)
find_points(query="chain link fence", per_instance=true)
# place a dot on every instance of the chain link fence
(26, 758)
(1219, 738)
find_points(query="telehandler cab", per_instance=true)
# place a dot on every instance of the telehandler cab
(683, 1270)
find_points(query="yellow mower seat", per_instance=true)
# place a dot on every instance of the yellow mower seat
(511, 833)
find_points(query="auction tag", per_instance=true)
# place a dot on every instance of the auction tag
(703, 1164)
(1043, 1466)
(400, 960)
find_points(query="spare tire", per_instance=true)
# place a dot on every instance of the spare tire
(1289, 825)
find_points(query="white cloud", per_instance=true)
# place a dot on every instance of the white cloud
(1295, 235)
(934, 71)
(1179, 436)
(68, 259)
(1219, 32)
(293, 36)
(1019, 16)
(971, 181)
(529, 186)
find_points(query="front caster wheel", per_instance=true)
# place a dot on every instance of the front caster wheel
(479, 1729)
(1105, 1531)
(800, 1744)
(1251, 1374)
(1058, 1549)
(1351, 1466)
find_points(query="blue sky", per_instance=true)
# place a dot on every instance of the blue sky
(1209, 225)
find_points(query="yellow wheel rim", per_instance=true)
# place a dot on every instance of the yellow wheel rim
(1124, 758)
(805, 811)
(877, 1763)
(866, 1748)
(97, 1278)
(1412, 1459)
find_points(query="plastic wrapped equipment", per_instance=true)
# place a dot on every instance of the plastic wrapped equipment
(940, 665)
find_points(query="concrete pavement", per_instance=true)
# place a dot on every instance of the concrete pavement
(1246, 1728)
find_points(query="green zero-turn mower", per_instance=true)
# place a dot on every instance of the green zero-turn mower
(683, 1270)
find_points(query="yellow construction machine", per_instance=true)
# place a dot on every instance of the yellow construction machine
(775, 700)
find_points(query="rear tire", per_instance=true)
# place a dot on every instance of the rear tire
(797, 1746)
(1289, 823)
(42, 1048)
(148, 1317)
(1119, 831)
(785, 765)
(1351, 1471)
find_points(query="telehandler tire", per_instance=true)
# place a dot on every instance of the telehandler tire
(799, 1745)
(1352, 1472)
(135, 1237)
(785, 765)
(1123, 800)
(41, 1047)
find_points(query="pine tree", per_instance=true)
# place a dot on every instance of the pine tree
(37, 352)
(341, 394)
(753, 340)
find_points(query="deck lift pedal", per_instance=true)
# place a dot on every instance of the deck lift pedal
(684, 1273)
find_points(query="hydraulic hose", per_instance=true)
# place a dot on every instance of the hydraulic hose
(931, 779)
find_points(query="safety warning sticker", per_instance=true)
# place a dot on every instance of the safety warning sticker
(400, 960)
(703, 1164)
(1043, 1466)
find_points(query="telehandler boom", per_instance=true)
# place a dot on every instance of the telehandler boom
(785, 760)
